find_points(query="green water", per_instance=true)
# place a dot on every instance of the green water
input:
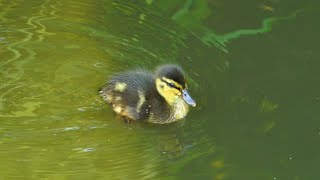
(253, 68)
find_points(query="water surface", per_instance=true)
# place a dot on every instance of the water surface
(252, 66)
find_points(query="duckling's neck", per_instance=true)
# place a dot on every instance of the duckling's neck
(179, 109)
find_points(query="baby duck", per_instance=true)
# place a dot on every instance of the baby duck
(161, 97)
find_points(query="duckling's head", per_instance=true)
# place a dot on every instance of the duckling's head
(171, 84)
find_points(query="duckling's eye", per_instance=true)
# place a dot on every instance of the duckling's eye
(172, 85)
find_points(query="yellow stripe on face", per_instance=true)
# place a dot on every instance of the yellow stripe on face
(173, 82)
(170, 94)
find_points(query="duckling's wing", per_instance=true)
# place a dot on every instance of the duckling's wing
(128, 93)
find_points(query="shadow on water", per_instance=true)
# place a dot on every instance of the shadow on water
(250, 66)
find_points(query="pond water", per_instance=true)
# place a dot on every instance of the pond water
(252, 67)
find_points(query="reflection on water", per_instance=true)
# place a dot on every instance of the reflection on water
(193, 14)
(258, 96)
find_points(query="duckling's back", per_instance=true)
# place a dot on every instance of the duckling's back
(134, 95)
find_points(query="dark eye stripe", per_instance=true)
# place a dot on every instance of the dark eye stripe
(171, 85)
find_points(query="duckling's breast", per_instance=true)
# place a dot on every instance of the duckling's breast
(166, 113)
(180, 109)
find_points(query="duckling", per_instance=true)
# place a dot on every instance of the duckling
(159, 97)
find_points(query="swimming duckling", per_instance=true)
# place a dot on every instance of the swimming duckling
(161, 97)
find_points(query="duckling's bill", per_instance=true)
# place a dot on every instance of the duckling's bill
(187, 98)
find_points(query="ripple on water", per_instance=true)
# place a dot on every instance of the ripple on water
(55, 60)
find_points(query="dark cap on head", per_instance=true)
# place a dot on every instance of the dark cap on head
(173, 72)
